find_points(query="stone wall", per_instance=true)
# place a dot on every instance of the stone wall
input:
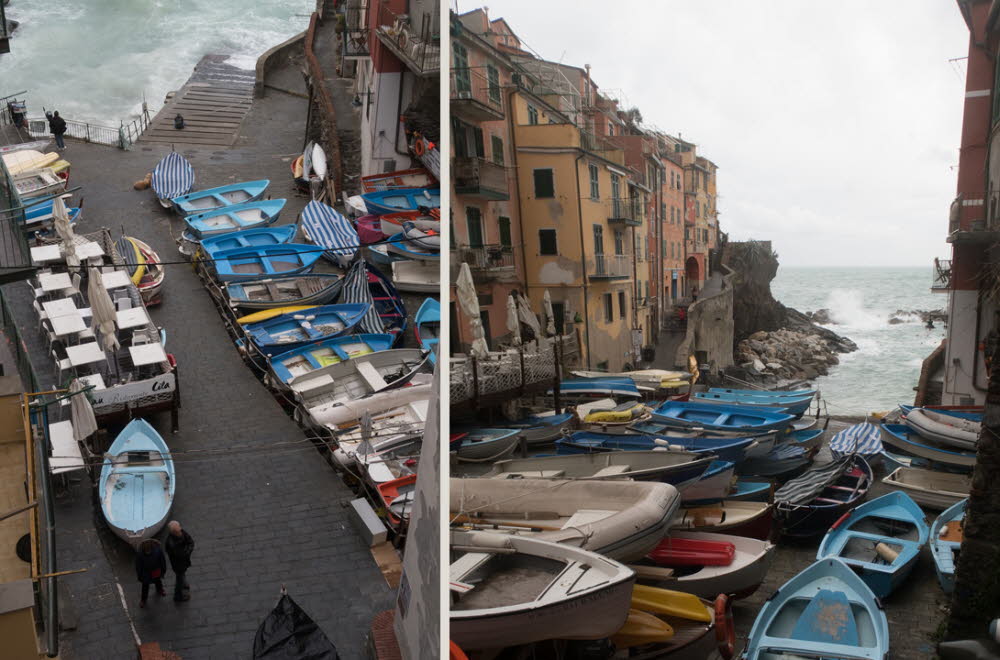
(710, 328)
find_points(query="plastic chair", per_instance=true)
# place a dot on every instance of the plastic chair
(62, 366)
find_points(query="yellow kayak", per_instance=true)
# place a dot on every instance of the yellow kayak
(617, 415)
(266, 314)
(642, 628)
(133, 257)
(670, 603)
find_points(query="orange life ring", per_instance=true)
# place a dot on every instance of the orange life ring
(418, 147)
(725, 631)
(455, 652)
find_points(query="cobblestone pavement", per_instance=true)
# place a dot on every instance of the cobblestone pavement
(261, 519)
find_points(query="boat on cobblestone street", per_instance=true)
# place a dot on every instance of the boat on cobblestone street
(946, 541)
(172, 177)
(253, 263)
(739, 574)
(258, 237)
(290, 331)
(809, 504)
(215, 198)
(311, 289)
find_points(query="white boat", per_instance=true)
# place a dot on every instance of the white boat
(336, 416)
(417, 276)
(389, 428)
(623, 520)
(393, 224)
(945, 429)
(752, 519)
(358, 377)
(392, 462)
(37, 145)
(742, 577)
(510, 590)
(713, 486)
(318, 161)
(930, 488)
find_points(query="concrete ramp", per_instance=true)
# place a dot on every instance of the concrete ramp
(213, 103)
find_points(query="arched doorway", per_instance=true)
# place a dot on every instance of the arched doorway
(692, 269)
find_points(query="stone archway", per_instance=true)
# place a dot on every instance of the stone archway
(692, 269)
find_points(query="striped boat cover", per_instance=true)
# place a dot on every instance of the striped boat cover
(804, 488)
(172, 177)
(861, 439)
(784, 452)
(330, 230)
(356, 291)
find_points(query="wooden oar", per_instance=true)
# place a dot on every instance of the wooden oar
(670, 603)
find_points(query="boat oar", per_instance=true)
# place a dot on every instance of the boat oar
(670, 603)
(642, 628)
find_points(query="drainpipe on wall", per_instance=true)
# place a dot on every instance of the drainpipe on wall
(517, 185)
(583, 256)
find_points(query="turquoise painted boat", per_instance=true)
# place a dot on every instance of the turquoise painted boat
(289, 331)
(298, 361)
(383, 202)
(137, 483)
(235, 240)
(541, 429)
(880, 540)
(792, 406)
(946, 540)
(285, 291)
(794, 394)
(252, 263)
(427, 326)
(237, 217)
(901, 437)
(688, 414)
(826, 611)
(214, 198)
(486, 444)
(599, 388)
(726, 449)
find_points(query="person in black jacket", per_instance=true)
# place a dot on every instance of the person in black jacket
(150, 567)
(179, 545)
(57, 126)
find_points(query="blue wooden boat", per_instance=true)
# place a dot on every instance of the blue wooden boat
(383, 202)
(782, 462)
(902, 438)
(792, 406)
(810, 503)
(687, 414)
(214, 198)
(137, 483)
(599, 388)
(404, 247)
(712, 486)
(807, 439)
(254, 263)
(946, 541)
(285, 291)
(826, 611)
(747, 490)
(880, 540)
(541, 429)
(794, 394)
(654, 427)
(427, 326)
(323, 226)
(288, 331)
(172, 177)
(298, 361)
(42, 212)
(725, 449)
(486, 444)
(235, 240)
(237, 217)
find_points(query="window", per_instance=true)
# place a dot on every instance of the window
(609, 308)
(468, 140)
(621, 304)
(547, 242)
(663, 212)
(611, 129)
(615, 186)
(619, 243)
(671, 179)
(493, 76)
(460, 59)
(503, 224)
(559, 316)
(599, 244)
(474, 221)
(697, 209)
(496, 146)
(532, 114)
(595, 188)
(663, 248)
(704, 182)
(544, 185)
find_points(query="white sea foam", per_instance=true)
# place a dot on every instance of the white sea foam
(847, 307)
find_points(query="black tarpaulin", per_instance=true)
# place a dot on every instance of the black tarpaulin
(289, 634)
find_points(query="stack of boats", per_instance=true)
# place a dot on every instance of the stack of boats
(318, 319)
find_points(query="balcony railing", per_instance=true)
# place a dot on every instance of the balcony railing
(942, 275)
(487, 262)
(15, 258)
(592, 142)
(355, 37)
(626, 210)
(610, 266)
(418, 46)
(473, 97)
(479, 177)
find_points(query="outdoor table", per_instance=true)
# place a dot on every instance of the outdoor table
(89, 250)
(147, 354)
(61, 307)
(85, 354)
(97, 380)
(116, 279)
(43, 254)
(50, 282)
(132, 318)
(68, 324)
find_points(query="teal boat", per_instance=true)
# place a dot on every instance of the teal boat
(237, 217)
(946, 541)
(235, 240)
(427, 326)
(826, 611)
(689, 414)
(296, 362)
(793, 406)
(289, 331)
(880, 540)
(252, 263)
(214, 198)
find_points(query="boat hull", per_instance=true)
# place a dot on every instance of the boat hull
(928, 488)
(741, 578)
(900, 437)
(943, 550)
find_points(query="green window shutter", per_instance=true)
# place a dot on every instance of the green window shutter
(544, 185)
(504, 226)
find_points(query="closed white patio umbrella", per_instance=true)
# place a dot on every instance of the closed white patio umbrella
(102, 310)
(465, 289)
(82, 413)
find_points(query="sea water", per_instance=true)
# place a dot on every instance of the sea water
(885, 369)
(96, 60)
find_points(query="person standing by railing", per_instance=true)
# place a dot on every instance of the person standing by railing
(57, 126)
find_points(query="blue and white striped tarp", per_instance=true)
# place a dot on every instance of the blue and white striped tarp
(331, 230)
(356, 291)
(861, 439)
(172, 177)
(805, 487)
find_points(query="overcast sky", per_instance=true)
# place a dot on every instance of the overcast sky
(835, 125)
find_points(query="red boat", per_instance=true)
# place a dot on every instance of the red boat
(369, 228)
(398, 498)
(413, 178)
(693, 552)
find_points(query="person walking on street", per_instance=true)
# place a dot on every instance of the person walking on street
(179, 545)
(57, 126)
(150, 567)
